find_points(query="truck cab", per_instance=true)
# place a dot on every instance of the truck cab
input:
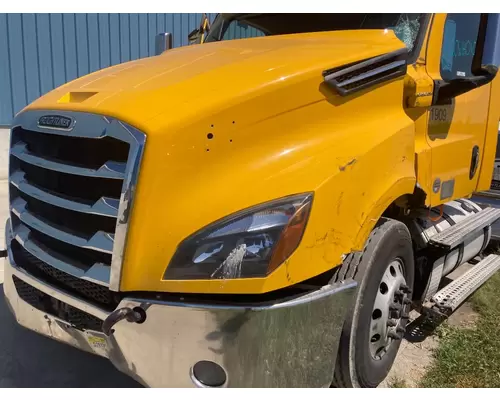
(491, 197)
(262, 208)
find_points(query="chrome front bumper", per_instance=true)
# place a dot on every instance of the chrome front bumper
(289, 344)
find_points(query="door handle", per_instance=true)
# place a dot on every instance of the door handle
(474, 161)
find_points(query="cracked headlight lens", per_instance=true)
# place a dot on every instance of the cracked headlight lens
(251, 243)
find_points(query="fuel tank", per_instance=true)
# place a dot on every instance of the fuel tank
(430, 222)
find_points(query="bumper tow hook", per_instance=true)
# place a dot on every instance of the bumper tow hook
(137, 315)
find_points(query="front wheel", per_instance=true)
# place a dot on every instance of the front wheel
(375, 325)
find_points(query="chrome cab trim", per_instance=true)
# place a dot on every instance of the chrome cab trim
(86, 125)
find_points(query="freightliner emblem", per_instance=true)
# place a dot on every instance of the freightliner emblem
(56, 122)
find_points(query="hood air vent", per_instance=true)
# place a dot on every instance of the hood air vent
(353, 77)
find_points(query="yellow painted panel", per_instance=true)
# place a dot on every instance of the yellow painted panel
(454, 129)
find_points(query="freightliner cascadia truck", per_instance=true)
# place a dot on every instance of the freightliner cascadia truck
(262, 208)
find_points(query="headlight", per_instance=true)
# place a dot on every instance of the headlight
(251, 243)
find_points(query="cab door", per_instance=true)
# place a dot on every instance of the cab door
(455, 131)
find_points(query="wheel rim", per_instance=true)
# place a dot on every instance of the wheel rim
(390, 310)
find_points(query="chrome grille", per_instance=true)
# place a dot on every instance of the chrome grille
(43, 302)
(71, 191)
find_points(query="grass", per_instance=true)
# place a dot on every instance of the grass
(398, 383)
(470, 357)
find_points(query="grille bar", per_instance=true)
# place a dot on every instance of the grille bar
(110, 169)
(100, 241)
(105, 206)
(97, 273)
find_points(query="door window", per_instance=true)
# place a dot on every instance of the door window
(459, 45)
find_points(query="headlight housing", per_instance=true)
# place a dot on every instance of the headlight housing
(249, 244)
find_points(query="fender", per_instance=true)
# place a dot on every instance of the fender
(403, 186)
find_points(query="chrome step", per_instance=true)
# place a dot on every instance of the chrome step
(488, 193)
(452, 295)
(455, 234)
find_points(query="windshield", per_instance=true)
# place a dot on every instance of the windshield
(241, 26)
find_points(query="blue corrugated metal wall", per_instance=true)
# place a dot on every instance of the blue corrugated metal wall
(39, 52)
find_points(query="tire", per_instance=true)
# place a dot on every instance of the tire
(356, 366)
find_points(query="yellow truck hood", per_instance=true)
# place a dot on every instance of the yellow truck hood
(182, 81)
(237, 123)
